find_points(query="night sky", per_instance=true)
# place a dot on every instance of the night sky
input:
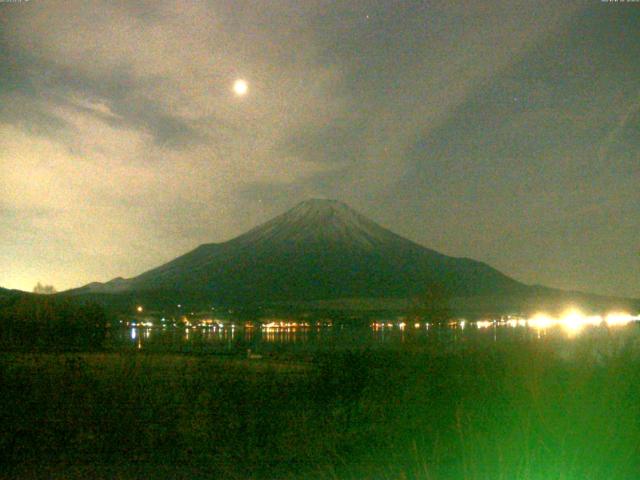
(504, 131)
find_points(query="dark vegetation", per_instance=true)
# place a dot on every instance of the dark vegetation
(433, 304)
(526, 410)
(73, 406)
(44, 322)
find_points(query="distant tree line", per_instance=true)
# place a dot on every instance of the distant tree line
(44, 289)
(44, 322)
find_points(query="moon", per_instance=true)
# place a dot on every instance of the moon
(240, 87)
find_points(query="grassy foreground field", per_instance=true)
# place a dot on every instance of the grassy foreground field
(525, 410)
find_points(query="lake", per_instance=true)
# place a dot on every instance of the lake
(234, 339)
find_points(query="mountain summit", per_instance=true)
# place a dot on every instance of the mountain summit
(320, 249)
(320, 221)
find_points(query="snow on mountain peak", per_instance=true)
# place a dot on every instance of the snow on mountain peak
(320, 220)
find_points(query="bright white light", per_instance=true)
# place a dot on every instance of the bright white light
(541, 321)
(240, 87)
(573, 320)
(615, 319)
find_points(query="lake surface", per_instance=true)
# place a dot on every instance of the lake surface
(235, 340)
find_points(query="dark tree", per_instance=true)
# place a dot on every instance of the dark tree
(432, 305)
(49, 323)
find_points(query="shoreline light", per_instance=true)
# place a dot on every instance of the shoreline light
(615, 319)
(571, 320)
(484, 323)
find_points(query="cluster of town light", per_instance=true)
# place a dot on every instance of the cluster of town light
(401, 325)
(284, 325)
(572, 320)
(293, 325)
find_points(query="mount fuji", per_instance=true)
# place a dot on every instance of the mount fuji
(318, 250)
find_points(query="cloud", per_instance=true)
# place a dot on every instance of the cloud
(122, 145)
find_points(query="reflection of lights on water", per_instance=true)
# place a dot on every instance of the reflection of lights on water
(136, 338)
(286, 325)
(284, 335)
(400, 325)
(541, 321)
(514, 322)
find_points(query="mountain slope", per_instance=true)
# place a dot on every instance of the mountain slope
(320, 249)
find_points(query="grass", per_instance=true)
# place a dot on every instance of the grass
(525, 410)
